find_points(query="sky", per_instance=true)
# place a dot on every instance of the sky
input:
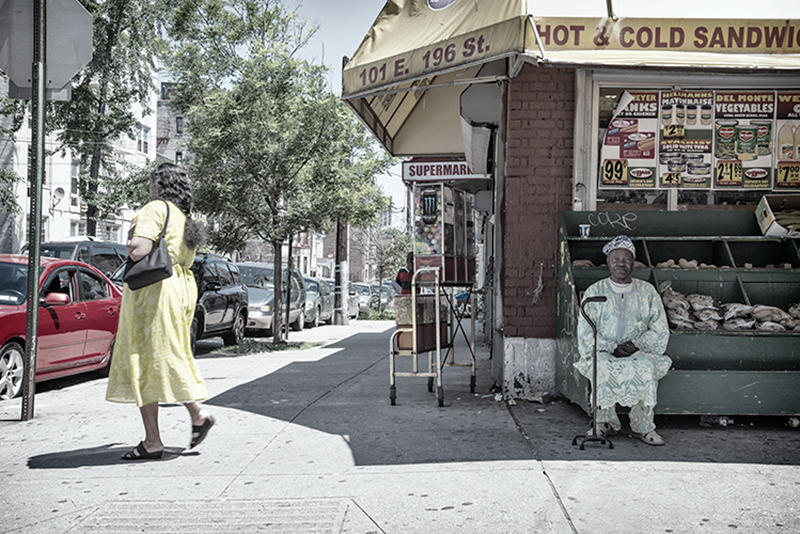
(342, 26)
(344, 23)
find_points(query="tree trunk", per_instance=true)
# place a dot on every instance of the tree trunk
(94, 177)
(277, 316)
(100, 137)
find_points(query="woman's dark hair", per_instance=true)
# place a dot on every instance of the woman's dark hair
(171, 183)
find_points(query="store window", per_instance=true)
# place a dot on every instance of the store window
(714, 145)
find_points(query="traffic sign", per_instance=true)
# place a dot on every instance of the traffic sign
(69, 41)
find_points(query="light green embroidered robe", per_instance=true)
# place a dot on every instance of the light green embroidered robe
(637, 316)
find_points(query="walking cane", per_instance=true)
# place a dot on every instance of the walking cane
(593, 437)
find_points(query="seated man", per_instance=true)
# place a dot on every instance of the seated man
(632, 335)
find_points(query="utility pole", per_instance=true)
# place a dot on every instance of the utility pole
(340, 275)
(36, 177)
(289, 290)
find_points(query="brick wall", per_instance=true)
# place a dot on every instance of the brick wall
(540, 105)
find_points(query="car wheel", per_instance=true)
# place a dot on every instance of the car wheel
(11, 370)
(315, 321)
(236, 335)
(193, 334)
(300, 322)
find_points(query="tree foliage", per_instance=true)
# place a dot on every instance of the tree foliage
(12, 113)
(8, 201)
(386, 248)
(273, 152)
(105, 96)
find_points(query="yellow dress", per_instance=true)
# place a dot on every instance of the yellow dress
(152, 359)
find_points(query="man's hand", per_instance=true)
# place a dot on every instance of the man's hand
(624, 350)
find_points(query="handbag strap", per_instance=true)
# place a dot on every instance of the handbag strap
(166, 222)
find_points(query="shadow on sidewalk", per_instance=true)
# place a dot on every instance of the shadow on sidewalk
(94, 456)
(347, 394)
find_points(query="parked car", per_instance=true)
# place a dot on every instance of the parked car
(78, 318)
(386, 293)
(352, 301)
(363, 294)
(319, 301)
(222, 300)
(260, 280)
(103, 255)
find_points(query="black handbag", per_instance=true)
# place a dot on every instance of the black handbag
(154, 267)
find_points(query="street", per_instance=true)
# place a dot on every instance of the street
(307, 441)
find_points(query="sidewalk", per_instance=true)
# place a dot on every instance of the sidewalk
(307, 441)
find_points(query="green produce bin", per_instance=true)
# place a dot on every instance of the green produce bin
(718, 372)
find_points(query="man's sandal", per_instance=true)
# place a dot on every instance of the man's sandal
(604, 430)
(651, 438)
(140, 453)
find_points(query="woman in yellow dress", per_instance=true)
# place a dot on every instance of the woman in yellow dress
(152, 360)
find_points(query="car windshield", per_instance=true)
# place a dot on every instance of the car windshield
(63, 252)
(363, 290)
(13, 284)
(311, 286)
(257, 276)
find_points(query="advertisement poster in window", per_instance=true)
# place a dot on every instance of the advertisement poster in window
(628, 155)
(703, 139)
(686, 135)
(743, 139)
(787, 126)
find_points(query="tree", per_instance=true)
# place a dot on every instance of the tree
(12, 114)
(273, 152)
(104, 96)
(387, 248)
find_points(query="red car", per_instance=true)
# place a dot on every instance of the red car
(78, 316)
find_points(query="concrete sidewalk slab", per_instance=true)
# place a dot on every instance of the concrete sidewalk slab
(308, 441)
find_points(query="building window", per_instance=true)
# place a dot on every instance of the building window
(166, 90)
(42, 227)
(77, 228)
(179, 125)
(142, 144)
(107, 231)
(74, 191)
(178, 158)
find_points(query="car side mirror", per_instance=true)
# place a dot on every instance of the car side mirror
(56, 299)
(213, 286)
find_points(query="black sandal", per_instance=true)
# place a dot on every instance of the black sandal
(199, 432)
(140, 453)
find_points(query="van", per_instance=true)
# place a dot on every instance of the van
(106, 257)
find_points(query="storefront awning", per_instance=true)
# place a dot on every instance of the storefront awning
(405, 79)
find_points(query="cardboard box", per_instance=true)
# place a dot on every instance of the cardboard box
(768, 206)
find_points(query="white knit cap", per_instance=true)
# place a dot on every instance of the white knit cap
(621, 241)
